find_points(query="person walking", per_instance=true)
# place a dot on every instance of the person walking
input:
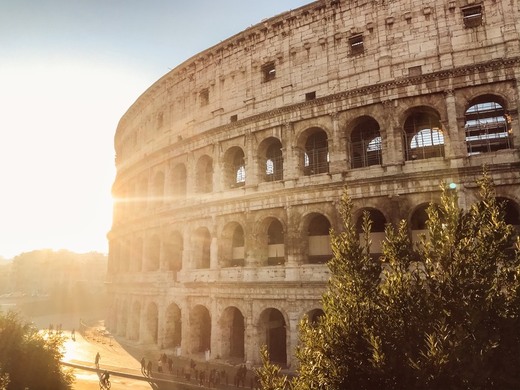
(96, 360)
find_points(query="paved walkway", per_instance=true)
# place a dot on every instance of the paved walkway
(124, 360)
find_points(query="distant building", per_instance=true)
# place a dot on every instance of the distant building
(231, 166)
(45, 272)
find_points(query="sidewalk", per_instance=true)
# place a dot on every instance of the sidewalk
(124, 360)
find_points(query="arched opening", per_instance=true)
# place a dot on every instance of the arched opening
(142, 194)
(232, 246)
(179, 181)
(201, 244)
(137, 255)
(154, 253)
(238, 247)
(377, 229)
(204, 177)
(235, 167)
(124, 257)
(314, 316)
(123, 325)
(487, 126)
(233, 330)
(319, 250)
(316, 156)
(418, 221)
(158, 189)
(275, 243)
(152, 323)
(271, 159)
(511, 212)
(135, 324)
(200, 329)
(173, 326)
(365, 141)
(423, 136)
(173, 249)
(273, 334)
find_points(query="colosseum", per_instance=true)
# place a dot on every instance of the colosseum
(231, 166)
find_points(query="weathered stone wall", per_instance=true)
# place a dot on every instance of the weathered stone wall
(230, 167)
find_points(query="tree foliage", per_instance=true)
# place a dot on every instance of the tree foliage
(443, 314)
(29, 359)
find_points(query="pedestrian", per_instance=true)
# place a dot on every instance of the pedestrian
(143, 365)
(73, 334)
(98, 356)
(170, 365)
(149, 367)
(159, 366)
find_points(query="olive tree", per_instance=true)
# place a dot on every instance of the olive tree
(30, 359)
(443, 314)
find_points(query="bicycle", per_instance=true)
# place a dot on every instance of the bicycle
(104, 383)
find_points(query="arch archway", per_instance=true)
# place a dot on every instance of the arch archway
(173, 249)
(319, 250)
(232, 325)
(366, 143)
(270, 158)
(179, 182)
(204, 177)
(316, 152)
(486, 125)
(377, 229)
(423, 135)
(200, 329)
(173, 326)
(152, 323)
(273, 333)
(135, 322)
(201, 247)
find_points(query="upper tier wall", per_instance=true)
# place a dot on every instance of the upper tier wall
(311, 50)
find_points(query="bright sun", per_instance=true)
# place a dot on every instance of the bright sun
(56, 155)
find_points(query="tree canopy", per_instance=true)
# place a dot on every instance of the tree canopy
(443, 314)
(30, 359)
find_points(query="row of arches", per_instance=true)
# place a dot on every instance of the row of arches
(196, 330)
(487, 128)
(268, 243)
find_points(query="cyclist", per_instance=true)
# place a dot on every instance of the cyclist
(104, 379)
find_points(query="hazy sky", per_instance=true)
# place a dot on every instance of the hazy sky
(69, 69)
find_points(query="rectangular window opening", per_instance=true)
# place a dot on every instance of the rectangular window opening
(204, 97)
(233, 118)
(356, 44)
(310, 96)
(268, 72)
(472, 16)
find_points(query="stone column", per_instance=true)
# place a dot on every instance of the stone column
(454, 145)
(337, 153)
(294, 248)
(251, 159)
(187, 249)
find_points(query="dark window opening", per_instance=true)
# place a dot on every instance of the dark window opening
(233, 118)
(310, 96)
(204, 97)
(415, 71)
(356, 44)
(268, 72)
(472, 16)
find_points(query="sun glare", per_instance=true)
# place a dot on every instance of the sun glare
(57, 154)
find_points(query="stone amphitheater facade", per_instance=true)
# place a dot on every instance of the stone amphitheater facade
(231, 166)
